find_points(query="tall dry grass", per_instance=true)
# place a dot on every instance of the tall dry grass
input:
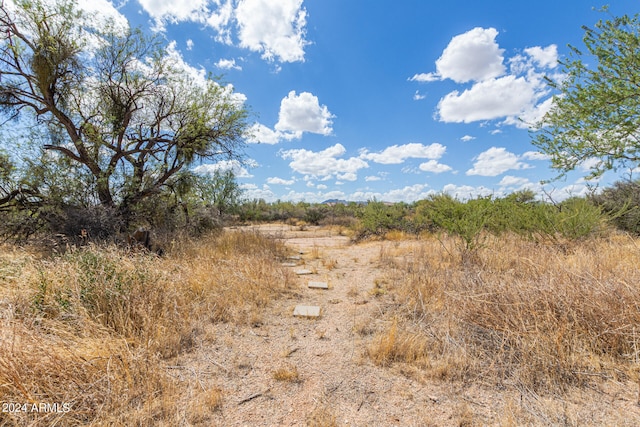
(535, 316)
(97, 328)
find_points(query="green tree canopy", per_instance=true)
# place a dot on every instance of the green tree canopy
(116, 105)
(595, 119)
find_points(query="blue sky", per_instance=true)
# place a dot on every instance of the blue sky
(355, 99)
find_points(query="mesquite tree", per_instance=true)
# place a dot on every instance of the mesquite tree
(595, 119)
(118, 109)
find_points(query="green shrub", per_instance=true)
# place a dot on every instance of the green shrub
(621, 203)
(314, 215)
(378, 218)
(465, 220)
(517, 213)
(578, 218)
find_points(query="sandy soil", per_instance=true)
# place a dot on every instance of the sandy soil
(335, 378)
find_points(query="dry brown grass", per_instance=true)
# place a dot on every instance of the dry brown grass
(287, 373)
(398, 346)
(98, 328)
(330, 264)
(322, 416)
(315, 252)
(533, 316)
(397, 236)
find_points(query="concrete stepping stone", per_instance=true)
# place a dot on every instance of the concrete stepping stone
(306, 311)
(303, 271)
(318, 285)
(289, 264)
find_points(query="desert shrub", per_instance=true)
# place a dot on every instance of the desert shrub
(314, 215)
(377, 218)
(578, 218)
(622, 203)
(464, 220)
(99, 222)
(255, 210)
(19, 225)
(518, 212)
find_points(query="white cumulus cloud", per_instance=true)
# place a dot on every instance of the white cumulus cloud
(474, 55)
(253, 192)
(487, 100)
(274, 28)
(174, 11)
(434, 166)
(516, 95)
(228, 64)
(325, 164)
(396, 154)
(513, 181)
(259, 133)
(279, 181)
(535, 155)
(298, 114)
(103, 12)
(424, 77)
(221, 20)
(544, 56)
(496, 161)
(509, 184)
(303, 113)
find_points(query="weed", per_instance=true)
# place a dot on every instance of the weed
(315, 252)
(288, 373)
(330, 264)
(364, 327)
(378, 288)
(322, 416)
(397, 345)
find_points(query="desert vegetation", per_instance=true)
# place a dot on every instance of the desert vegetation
(519, 296)
(532, 303)
(535, 316)
(98, 328)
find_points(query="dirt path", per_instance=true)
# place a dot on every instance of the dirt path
(290, 371)
(334, 379)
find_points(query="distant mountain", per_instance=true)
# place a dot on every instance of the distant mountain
(339, 201)
(334, 202)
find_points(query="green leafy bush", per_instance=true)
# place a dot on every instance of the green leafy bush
(622, 203)
(315, 215)
(378, 218)
(465, 220)
(578, 218)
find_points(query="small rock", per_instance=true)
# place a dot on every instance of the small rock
(306, 311)
(318, 285)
